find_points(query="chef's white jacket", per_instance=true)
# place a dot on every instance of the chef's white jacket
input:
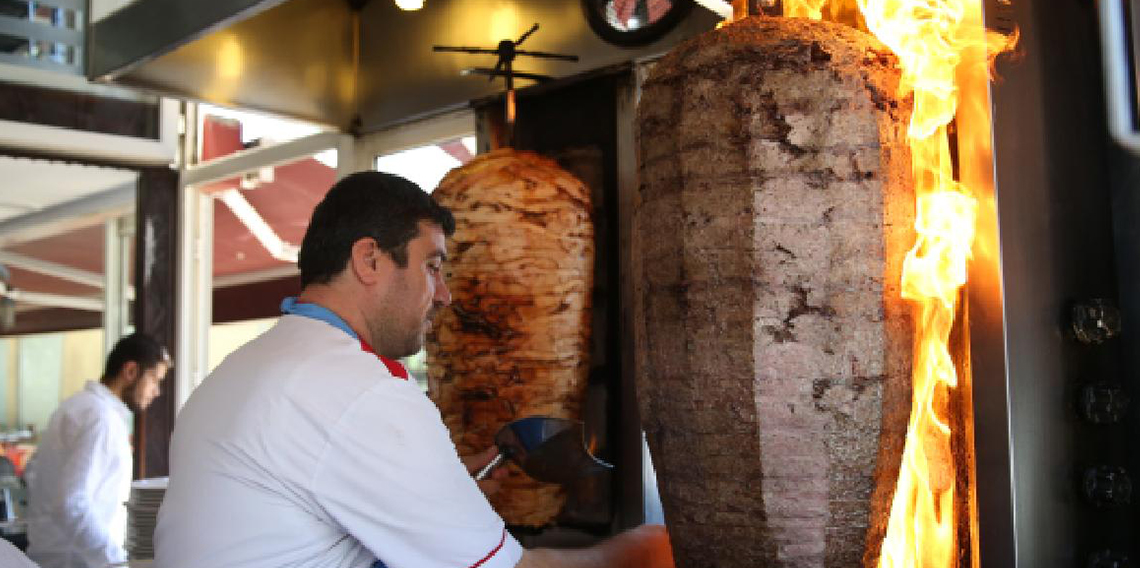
(302, 450)
(11, 557)
(78, 481)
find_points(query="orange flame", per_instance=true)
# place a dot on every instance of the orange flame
(937, 42)
(812, 9)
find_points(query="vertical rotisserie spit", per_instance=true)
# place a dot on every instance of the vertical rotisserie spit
(775, 209)
(515, 341)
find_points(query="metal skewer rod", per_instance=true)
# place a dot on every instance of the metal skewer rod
(545, 55)
(465, 49)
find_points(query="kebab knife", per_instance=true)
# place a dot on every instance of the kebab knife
(547, 449)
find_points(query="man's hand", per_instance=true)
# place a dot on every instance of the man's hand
(493, 482)
(646, 546)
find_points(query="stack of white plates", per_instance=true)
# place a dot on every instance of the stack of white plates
(142, 515)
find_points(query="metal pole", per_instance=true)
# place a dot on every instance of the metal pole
(510, 104)
(113, 288)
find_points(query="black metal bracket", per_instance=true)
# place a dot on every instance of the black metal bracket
(507, 51)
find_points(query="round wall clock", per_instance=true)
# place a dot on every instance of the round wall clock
(634, 22)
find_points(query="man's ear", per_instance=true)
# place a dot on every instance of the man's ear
(365, 260)
(130, 373)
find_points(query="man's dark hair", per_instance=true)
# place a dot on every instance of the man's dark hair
(383, 207)
(138, 347)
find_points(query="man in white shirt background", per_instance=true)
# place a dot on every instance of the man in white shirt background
(310, 448)
(80, 475)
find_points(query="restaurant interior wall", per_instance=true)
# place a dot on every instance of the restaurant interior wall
(36, 373)
(225, 338)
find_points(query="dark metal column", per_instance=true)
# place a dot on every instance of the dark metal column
(156, 259)
(1054, 243)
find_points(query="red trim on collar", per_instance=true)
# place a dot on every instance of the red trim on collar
(395, 367)
(492, 553)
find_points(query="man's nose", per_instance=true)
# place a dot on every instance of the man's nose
(442, 293)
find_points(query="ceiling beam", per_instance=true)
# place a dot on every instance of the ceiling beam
(243, 278)
(55, 300)
(253, 159)
(77, 214)
(57, 270)
(83, 146)
(54, 269)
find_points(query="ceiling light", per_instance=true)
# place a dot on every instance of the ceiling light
(410, 5)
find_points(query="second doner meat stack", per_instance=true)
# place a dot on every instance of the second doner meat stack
(515, 342)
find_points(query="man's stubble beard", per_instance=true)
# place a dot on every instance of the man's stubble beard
(389, 344)
(390, 336)
(130, 397)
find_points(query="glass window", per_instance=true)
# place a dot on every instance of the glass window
(43, 16)
(258, 129)
(426, 165)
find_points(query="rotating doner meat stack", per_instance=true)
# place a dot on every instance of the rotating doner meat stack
(515, 341)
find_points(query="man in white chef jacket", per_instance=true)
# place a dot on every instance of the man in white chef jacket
(80, 475)
(11, 557)
(309, 447)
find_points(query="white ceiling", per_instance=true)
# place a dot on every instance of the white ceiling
(28, 185)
